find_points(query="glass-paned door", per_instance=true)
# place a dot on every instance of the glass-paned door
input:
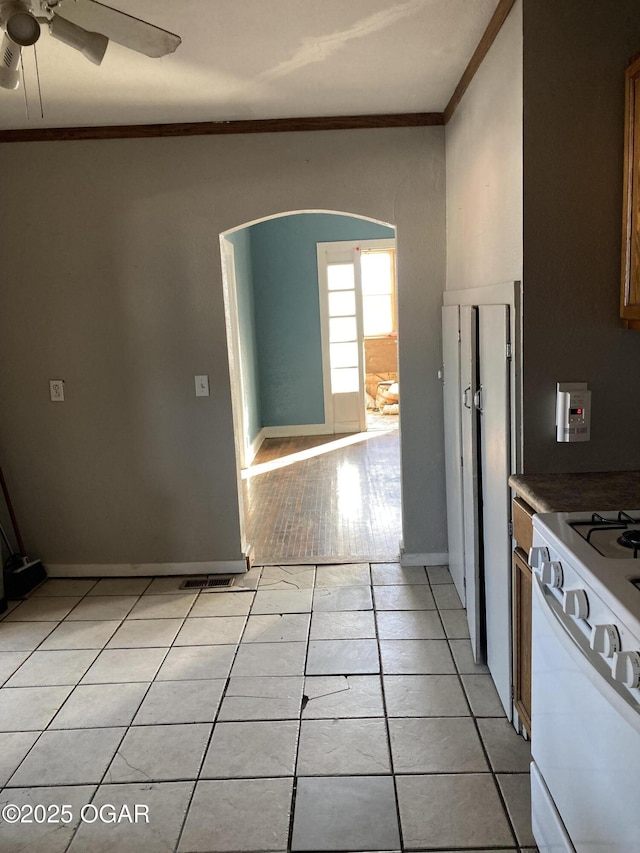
(344, 294)
(345, 347)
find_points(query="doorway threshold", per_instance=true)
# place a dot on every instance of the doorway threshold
(318, 560)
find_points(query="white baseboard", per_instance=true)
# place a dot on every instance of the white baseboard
(110, 570)
(254, 447)
(296, 429)
(424, 559)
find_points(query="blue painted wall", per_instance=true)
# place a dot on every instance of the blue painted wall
(287, 310)
(246, 321)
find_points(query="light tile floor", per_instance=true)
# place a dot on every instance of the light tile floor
(335, 708)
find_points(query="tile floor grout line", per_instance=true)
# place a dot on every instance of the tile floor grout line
(79, 823)
(494, 775)
(386, 718)
(457, 672)
(216, 716)
(477, 728)
(294, 787)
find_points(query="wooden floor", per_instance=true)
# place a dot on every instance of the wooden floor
(320, 498)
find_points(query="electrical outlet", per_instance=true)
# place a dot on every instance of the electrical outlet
(202, 386)
(56, 390)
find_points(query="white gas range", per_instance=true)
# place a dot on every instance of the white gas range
(585, 720)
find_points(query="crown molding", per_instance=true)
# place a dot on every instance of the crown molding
(216, 128)
(488, 37)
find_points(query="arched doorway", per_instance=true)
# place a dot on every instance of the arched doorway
(290, 335)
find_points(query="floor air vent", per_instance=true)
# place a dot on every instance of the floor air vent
(207, 583)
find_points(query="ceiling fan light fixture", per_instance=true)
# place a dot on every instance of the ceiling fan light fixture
(22, 28)
(9, 61)
(91, 45)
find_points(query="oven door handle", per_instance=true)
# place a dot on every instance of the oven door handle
(591, 664)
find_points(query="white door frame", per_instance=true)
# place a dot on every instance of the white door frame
(347, 251)
(451, 393)
(227, 252)
(227, 255)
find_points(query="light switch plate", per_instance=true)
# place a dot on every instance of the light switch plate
(202, 386)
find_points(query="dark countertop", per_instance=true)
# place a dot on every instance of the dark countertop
(577, 492)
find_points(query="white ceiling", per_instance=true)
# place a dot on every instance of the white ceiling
(259, 59)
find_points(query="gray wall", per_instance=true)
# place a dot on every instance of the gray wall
(575, 54)
(484, 169)
(112, 282)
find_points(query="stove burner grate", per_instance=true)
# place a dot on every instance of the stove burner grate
(631, 539)
(622, 521)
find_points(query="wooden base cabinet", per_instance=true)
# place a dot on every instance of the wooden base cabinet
(522, 638)
(522, 515)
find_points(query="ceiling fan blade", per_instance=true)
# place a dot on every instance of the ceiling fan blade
(120, 27)
(10, 54)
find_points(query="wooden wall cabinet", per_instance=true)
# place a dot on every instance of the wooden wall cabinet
(630, 286)
(522, 589)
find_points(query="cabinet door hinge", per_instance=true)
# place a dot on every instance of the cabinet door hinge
(510, 528)
(508, 352)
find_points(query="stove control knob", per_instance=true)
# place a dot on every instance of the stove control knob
(605, 639)
(626, 668)
(576, 603)
(551, 573)
(537, 555)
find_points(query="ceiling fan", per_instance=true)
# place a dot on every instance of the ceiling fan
(85, 25)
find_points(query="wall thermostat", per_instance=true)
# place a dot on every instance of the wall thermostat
(573, 412)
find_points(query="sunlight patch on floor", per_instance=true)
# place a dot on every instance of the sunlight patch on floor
(310, 453)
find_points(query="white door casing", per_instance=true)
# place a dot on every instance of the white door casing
(453, 444)
(240, 432)
(233, 347)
